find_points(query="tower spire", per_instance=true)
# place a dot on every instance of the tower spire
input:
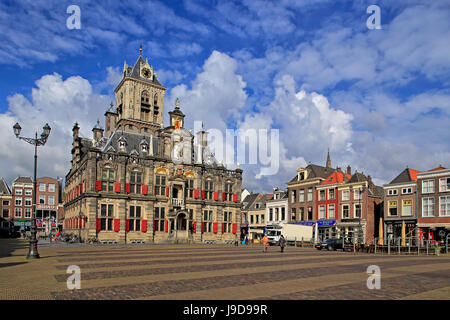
(328, 159)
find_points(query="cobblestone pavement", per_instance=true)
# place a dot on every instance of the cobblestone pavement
(216, 272)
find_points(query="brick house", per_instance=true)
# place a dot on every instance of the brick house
(327, 204)
(400, 205)
(302, 191)
(5, 204)
(360, 207)
(138, 181)
(246, 204)
(433, 218)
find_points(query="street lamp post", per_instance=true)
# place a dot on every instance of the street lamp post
(361, 191)
(33, 251)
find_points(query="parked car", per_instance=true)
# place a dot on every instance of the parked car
(333, 244)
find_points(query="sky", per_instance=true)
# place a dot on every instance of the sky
(378, 99)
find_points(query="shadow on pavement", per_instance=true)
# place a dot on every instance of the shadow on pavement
(11, 264)
(8, 246)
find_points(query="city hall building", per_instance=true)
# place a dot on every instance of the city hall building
(138, 181)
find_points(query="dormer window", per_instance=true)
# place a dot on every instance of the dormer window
(122, 144)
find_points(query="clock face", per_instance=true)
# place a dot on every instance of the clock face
(146, 73)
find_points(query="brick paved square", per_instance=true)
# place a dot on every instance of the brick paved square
(216, 272)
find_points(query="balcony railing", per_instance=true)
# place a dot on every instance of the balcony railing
(177, 202)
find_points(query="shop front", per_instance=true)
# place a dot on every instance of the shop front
(393, 229)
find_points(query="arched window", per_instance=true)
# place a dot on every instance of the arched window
(145, 98)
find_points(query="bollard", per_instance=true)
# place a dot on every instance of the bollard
(302, 242)
(399, 248)
(375, 248)
(354, 248)
(389, 246)
(427, 247)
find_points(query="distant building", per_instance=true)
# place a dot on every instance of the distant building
(5, 204)
(400, 205)
(48, 204)
(22, 201)
(256, 216)
(434, 203)
(277, 208)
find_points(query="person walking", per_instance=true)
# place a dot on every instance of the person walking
(282, 243)
(265, 242)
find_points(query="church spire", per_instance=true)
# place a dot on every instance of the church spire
(328, 159)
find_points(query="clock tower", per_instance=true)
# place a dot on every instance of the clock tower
(139, 98)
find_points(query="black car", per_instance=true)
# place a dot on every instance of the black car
(331, 244)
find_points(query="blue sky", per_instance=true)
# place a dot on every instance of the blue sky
(379, 99)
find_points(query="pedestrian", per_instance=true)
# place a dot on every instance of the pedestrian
(265, 242)
(246, 239)
(282, 243)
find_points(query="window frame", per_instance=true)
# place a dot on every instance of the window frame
(432, 206)
(107, 220)
(108, 182)
(426, 189)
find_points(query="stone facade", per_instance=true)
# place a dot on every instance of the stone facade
(142, 182)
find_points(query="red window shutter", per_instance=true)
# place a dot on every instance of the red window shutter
(216, 196)
(127, 188)
(81, 188)
(223, 227)
(215, 227)
(154, 227)
(203, 227)
(235, 197)
(167, 191)
(144, 226)
(234, 227)
(223, 196)
(196, 194)
(116, 225)
(166, 225)
(84, 186)
(144, 189)
(116, 186)
(203, 194)
(78, 190)
(98, 224)
(98, 185)
(127, 225)
(194, 227)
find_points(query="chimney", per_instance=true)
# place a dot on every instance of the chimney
(97, 132)
(349, 170)
(369, 179)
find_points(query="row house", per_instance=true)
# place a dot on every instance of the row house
(433, 219)
(327, 205)
(400, 205)
(5, 203)
(138, 181)
(47, 204)
(360, 204)
(257, 217)
(22, 202)
(247, 202)
(302, 191)
(277, 208)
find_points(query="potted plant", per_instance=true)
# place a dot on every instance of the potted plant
(437, 250)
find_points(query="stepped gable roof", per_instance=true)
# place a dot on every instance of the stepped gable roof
(4, 188)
